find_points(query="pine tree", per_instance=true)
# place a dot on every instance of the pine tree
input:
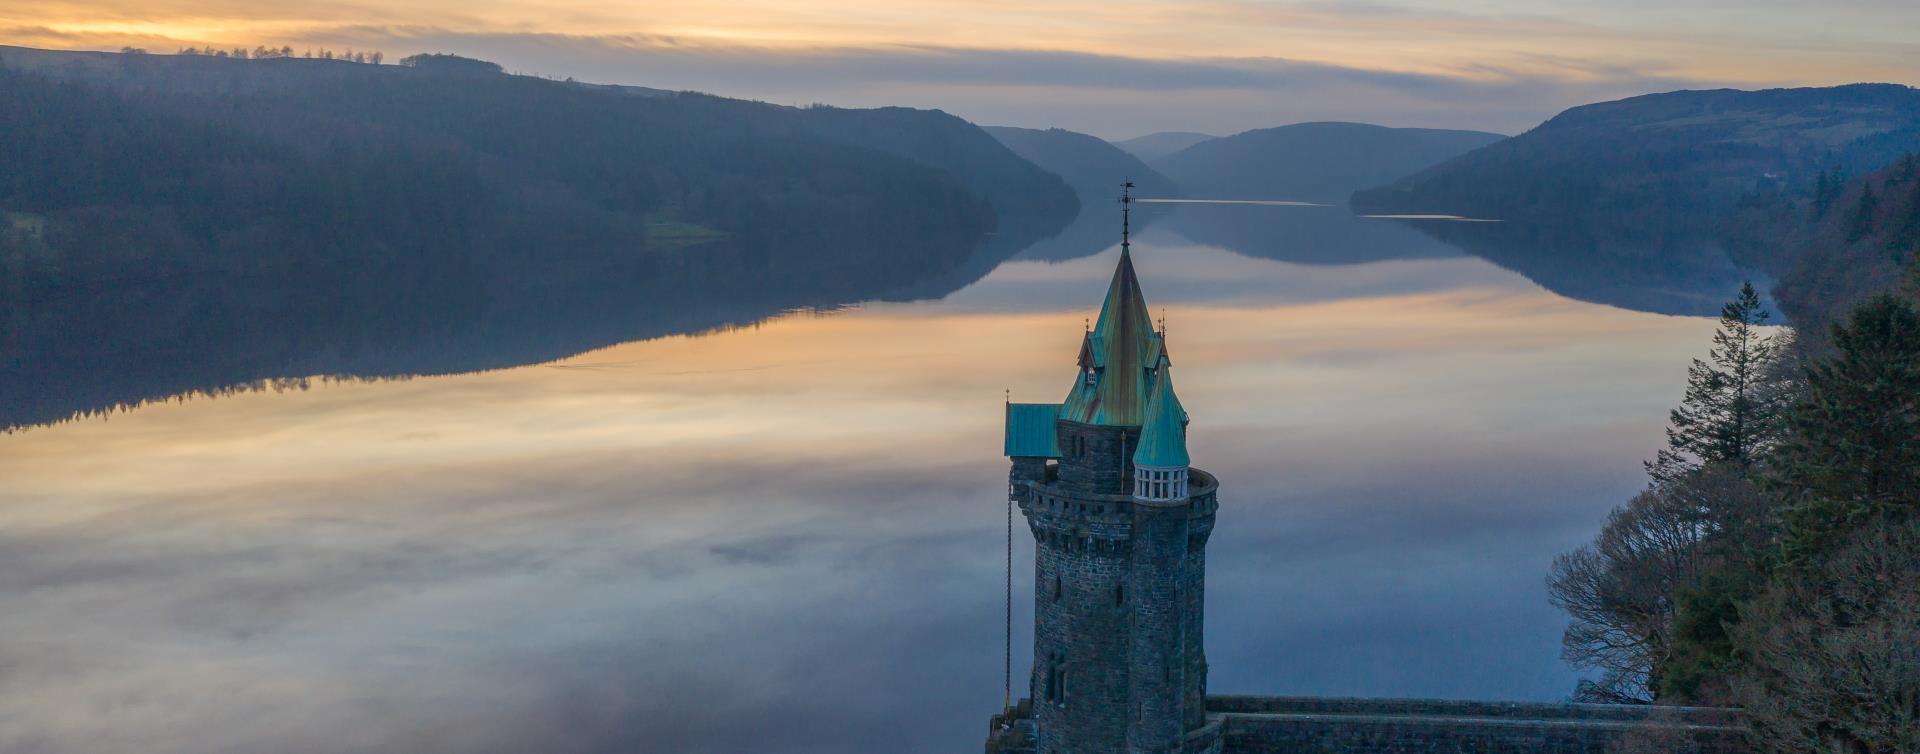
(1731, 412)
(1853, 456)
(1860, 225)
(1825, 190)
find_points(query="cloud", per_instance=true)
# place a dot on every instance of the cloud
(1106, 94)
(1115, 69)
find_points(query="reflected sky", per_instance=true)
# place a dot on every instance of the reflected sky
(771, 538)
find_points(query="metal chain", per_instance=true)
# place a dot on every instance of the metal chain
(1006, 698)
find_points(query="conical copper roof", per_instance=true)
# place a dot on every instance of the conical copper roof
(1118, 357)
(1163, 438)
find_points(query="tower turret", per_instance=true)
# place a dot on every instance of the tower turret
(1120, 523)
(1160, 462)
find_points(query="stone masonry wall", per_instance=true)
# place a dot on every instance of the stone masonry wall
(1097, 459)
(1081, 637)
(1305, 725)
(1159, 662)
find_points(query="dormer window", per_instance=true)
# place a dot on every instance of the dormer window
(1091, 376)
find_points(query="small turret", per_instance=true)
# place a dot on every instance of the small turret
(1160, 463)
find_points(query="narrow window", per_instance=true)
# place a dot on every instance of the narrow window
(1119, 594)
(1057, 591)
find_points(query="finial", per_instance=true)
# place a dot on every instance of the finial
(1086, 323)
(1009, 395)
(1126, 210)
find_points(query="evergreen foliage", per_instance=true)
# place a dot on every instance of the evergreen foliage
(1651, 596)
(1854, 453)
(1787, 578)
(1731, 410)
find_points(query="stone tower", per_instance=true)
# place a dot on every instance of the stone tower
(1120, 524)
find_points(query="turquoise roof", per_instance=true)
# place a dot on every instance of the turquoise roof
(1122, 350)
(1030, 430)
(1163, 438)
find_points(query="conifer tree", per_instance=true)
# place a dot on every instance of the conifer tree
(1732, 410)
(1853, 456)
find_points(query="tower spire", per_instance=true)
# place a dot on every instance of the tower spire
(1126, 215)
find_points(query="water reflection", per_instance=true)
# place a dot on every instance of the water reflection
(1676, 273)
(68, 357)
(787, 537)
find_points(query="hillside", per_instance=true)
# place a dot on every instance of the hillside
(1650, 167)
(1316, 162)
(1859, 240)
(179, 223)
(1091, 166)
(1154, 146)
(671, 130)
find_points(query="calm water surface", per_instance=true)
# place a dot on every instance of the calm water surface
(788, 537)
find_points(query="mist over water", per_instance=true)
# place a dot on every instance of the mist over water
(788, 536)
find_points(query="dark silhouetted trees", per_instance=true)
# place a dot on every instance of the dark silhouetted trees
(1834, 652)
(1731, 411)
(1854, 453)
(1783, 574)
(1624, 592)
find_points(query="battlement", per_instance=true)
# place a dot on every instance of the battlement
(1075, 521)
(1045, 495)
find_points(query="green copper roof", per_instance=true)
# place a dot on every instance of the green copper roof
(1121, 351)
(1163, 438)
(1030, 430)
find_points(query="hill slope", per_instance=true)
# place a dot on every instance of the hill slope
(1859, 242)
(669, 129)
(1091, 166)
(175, 223)
(1318, 162)
(1653, 166)
(1154, 146)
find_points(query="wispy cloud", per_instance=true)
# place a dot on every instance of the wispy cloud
(1213, 65)
(1110, 95)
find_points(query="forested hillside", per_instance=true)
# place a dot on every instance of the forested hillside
(404, 170)
(1854, 238)
(181, 223)
(1649, 168)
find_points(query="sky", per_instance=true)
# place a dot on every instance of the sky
(1115, 68)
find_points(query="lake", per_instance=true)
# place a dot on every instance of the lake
(788, 536)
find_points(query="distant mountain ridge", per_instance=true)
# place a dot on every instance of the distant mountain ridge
(1154, 146)
(1316, 162)
(1094, 168)
(1651, 166)
(1020, 193)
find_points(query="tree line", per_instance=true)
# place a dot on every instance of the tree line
(1773, 560)
(263, 52)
